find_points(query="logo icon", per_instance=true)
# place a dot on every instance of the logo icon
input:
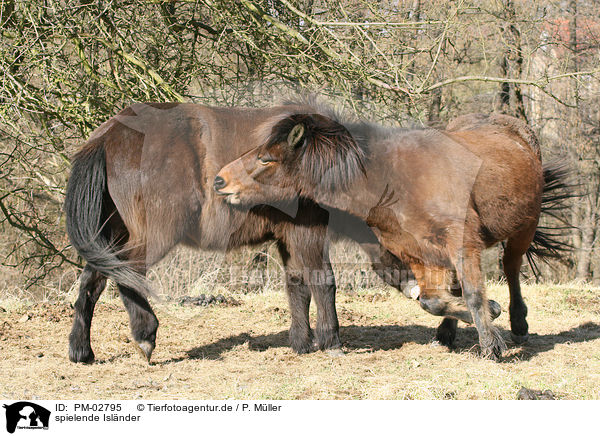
(26, 415)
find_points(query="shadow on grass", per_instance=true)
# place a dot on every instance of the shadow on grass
(541, 343)
(366, 339)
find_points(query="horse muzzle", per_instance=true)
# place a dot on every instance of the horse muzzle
(229, 193)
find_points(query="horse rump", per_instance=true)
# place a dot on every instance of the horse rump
(89, 209)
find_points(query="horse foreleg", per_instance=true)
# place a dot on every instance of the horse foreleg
(469, 275)
(92, 283)
(434, 297)
(440, 295)
(440, 303)
(323, 291)
(301, 337)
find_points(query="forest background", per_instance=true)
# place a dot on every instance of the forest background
(67, 66)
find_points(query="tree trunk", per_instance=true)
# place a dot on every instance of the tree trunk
(435, 107)
(584, 256)
(511, 66)
(585, 213)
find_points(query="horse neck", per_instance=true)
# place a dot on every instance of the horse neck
(361, 195)
(345, 201)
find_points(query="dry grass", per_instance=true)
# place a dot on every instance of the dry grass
(241, 351)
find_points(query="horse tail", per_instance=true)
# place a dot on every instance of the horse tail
(88, 208)
(548, 241)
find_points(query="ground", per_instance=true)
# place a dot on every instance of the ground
(241, 351)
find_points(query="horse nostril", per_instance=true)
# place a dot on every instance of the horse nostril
(219, 183)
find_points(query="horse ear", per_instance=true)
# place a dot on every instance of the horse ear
(295, 135)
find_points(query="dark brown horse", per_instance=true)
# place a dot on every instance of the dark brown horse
(435, 199)
(143, 183)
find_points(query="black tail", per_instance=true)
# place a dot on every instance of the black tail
(549, 241)
(86, 216)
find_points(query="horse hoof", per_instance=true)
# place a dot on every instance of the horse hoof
(327, 340)
(145, 348)
(494, 353)
(81, 355)
(493, 346)
(306, 347)
(305, 350)
(335, 352)
(495, 309)
(519, 339)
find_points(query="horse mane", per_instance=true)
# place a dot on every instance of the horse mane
(331, 158)
(306, 103)
(317, 106)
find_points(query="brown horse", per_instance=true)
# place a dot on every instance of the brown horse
(435, 199)
(142, 184)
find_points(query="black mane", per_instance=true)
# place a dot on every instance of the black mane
(331, 158)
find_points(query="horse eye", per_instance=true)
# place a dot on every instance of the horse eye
(265, 159)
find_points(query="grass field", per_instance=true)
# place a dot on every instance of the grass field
(241, 352)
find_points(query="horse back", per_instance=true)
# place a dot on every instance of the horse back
(511, 127)
(507, 191)
(161, 159)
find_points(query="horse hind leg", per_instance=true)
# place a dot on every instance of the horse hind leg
(142, 319)
(92, 283)
(512, 261)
